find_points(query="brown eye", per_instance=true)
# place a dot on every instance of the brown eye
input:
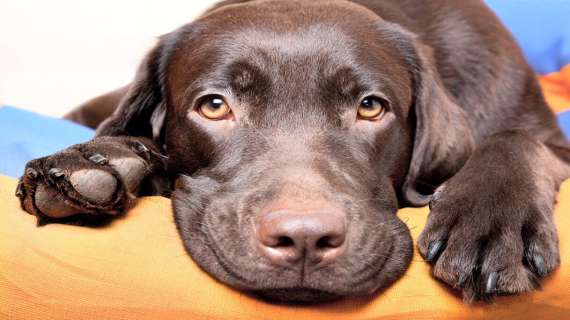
(214, 108)
(371, 108)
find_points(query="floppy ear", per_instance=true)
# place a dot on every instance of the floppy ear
(141, 110)
(443, 139)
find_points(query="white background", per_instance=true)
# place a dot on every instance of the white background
(55, 54)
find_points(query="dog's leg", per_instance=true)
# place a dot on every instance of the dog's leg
(491, 230)
(93, 179)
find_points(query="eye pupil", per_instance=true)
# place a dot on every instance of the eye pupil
(367, 103)
(216, 103)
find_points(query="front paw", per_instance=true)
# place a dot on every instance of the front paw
(95, 178)
(489, 242)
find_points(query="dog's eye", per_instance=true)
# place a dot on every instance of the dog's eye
(371, 108)
(214, 108)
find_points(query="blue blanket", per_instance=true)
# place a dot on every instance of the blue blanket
(26, 135)
(542, 29)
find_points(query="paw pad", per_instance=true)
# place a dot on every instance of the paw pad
(96, 185)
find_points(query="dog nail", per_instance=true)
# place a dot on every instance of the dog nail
(20, 191)
(142, 150)
(56, 172)
(434, 250)
(31, 173)
(98, 159)
(491, 282)
(435, 197)
(141, 147)
(160, 155)
(539, 265)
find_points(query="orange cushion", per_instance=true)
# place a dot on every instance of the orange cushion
(556, 89)
(136, 268)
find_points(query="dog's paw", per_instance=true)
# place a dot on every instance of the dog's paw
(487, 242)
(95, 178)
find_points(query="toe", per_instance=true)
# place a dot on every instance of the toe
(95, 185)
(52, 203)
(502, 270)
(457, 262)
(131, 170)
(541, 247)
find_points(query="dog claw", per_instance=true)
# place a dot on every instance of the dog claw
(433, 250)
(435, 197)
(141, 147)
(539, 265)
(56, 173)
(20, 191)
(491, 282)
(98, 159)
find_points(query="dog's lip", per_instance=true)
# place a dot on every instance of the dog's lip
(314, 294)
(227, 264)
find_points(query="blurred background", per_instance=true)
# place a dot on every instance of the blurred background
(57, 54)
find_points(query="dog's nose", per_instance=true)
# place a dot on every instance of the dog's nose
(287, 237)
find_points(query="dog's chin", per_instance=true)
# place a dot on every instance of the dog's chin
(296, 295)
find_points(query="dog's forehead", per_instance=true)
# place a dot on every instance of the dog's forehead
(299, 48)
(315, 40)
(301, 57)
(320, 50)
(289, 28)
(281, 28)
(307, 55)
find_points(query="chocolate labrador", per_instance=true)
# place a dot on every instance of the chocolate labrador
(290, 132)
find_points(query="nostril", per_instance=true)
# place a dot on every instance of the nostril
(284, 242)
(324, 242)
(329, 242)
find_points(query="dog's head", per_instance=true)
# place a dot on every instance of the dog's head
(296, 130)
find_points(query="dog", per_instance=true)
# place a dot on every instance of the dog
(288, 134)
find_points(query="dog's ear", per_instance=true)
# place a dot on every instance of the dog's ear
(443, 139)
(141, 110)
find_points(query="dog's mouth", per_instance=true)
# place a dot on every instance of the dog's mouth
(317, 287)
(314, 294)
(228, 248)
